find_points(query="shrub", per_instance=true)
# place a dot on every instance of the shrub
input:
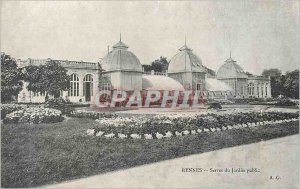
(34, 115)
(59, 104)
(215, 105)
(285, 102)
(9, 108)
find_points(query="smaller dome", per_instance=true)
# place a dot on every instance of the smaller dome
(231, 70)
(121, 59)
(159, 82)
(185, 61)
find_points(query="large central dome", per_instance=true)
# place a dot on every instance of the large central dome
(120, 59)
(185, 61)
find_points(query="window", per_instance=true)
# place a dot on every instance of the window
(88, 84)
(106, 87)
(251, 89)
(198, 86)
(262, 90)
(38, 93)
(258, 90)
(88, 78)
(74, 85)
(266, 89)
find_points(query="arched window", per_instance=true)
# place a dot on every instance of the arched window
(74, 85)
(88, 78)
(88, 85)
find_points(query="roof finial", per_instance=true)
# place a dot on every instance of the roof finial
(120, 37)
(185, 41)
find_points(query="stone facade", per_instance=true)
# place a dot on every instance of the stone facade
(259, 87)
(84, 81)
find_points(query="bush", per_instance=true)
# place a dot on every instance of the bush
(253, 100)
(9, 108)
(34, 115)
(285, 102)
(215, 105)
(59, 104)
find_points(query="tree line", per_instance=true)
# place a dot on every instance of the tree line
(283, 84)
(49, 78)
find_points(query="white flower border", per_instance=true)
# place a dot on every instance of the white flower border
(91, 132)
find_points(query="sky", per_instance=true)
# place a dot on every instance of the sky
(259, 34)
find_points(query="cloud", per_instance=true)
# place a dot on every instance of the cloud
(260, 34)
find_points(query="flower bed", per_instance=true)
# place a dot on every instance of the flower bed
(59, 104)
(91, 114)
(9, 108)
(34, 115)
(178, 125)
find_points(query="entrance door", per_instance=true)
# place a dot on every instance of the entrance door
(87, 91)
(88, 87)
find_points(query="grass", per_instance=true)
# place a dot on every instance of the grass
(34, 155)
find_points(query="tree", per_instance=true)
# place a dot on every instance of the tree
(147, 67)
(11, 78)
(50, 78)
(276, 81)
(249, 74)
(276, 86)
(291, 84)
(33, 75)
(158, 65)
(287, 84)
(274, 72)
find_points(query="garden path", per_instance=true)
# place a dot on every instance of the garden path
(277, 157)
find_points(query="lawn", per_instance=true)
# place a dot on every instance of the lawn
(34, 155)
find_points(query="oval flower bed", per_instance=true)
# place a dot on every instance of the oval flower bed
(178, 125)
(34, 115)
